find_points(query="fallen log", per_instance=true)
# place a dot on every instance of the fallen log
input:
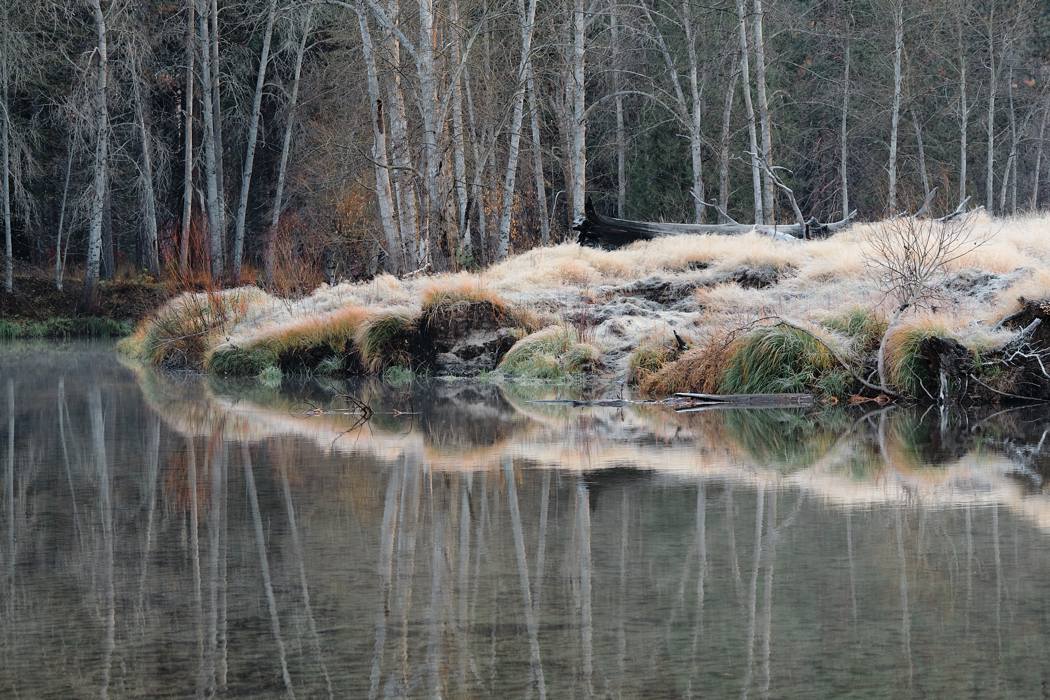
(691, 400)
(610, 232)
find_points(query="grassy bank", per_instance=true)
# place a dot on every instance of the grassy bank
(739, 314)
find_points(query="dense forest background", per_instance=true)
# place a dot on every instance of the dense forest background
(262, 139)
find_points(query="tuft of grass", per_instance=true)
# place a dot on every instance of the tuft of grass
(775, 359)
(905, 365)
(385, 341)
(551, 354)
(862, 326)
(398, 377)
(271, 376)
(649, 358)
(330, 366)
(697, 369)
(240, 362)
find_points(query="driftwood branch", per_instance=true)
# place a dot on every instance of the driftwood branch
(607, 231)
(959, 211)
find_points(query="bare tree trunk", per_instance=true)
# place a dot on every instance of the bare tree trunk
(59, 255)
(436, 241)
(211, 148)
(253, 135)
(149, 197)
(578, 155)
(459, 156)
(922, 153)
(404, 188)
(898, 52)
(696, 113)
(844, 134)
(528, 19)
(5, 154)
(101, 168)
(1014, 155)
(286, 145)
(745, 72)
(964, 114)
(537, 158)
(384, 194)
(620, 134)
(1038, 169)
(723, 147)
(1008, 169)
(187, 141)
(763, 112)
(216, 100)
(993, 79)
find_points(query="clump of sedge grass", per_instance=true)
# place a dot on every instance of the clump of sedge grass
(649, 358)
(385, 341)
(271, 376)
(698, 369)
(398, 377)
(906, 367)
(551, 354)
(775, 359)
(233, 361)
(862, 326)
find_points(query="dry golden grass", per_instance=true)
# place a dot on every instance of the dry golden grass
(698, 369)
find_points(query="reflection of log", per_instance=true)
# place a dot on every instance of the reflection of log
(606, 231)
(694, 400)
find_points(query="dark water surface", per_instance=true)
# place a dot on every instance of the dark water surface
(175, 536)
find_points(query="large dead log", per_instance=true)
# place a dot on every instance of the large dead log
(610, 232)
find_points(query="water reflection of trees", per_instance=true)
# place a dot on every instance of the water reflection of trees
(143, 556)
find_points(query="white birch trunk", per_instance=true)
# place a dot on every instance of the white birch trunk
(59, 256)
(528, 18)
(620, 133)
(745, 72)
(286, 148)
(101, 167)
(435, 248)
(149, 197)
(964, 112)
(578, 155)
(384, 194)
(537, 158)
(253, 135)
(5, 154)
(215, 229)
(187, 141)
(993, 75)
(844, 135)
(763, 113)
(459, 157)
(922, 153)
(898, 52)
(695, 115)
(723, 146)
(1038, 169)
(216, 99)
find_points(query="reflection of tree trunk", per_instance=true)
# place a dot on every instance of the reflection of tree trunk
(198, 606)
(10, 488)
(297, 550)
(752, 600)
(214, 545)
(998, 582)
(406, 560)
(536, 665)
(386, 557)
(621, 633)
(583, 514)
(152, 471)
(264, 565)
(905, 611)
(852, 577)
(224, 543)
(462, 578)
(734, 561)
(437, 567)
(98, 440)
(767, 633)
(63, 414)
(701, 549)
(541, 544)
(969, 564)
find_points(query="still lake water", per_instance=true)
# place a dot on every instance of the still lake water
(175, 536)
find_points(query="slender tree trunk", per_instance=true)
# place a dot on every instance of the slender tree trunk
(844, 134)
(745, 72)
(216, 102)
(537, 158)
(149, 198)
(993, 75)
(1014, 154)
(763, 113)
(1008, 170)
(898, 52)
(59, 256)
(528, 19)
(253, 135)
(436, 240)
(696, 114)
(187, 141)
(5, 153)
(101, 167)
(211, 148)
(620, 134)
(459, 157)
(404, 187)
(384, 194)
(578, 155)
(922, 153)
(1038, 169)
(723, 146)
